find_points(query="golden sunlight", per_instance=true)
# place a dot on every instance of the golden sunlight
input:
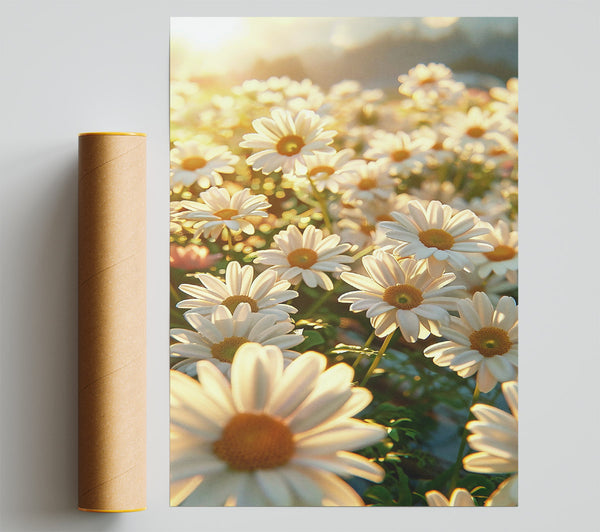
(439, 22)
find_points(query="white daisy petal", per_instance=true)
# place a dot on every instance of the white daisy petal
(297, 382)
(274, 487)
(353, 434)
(336, 491)
(253, 378)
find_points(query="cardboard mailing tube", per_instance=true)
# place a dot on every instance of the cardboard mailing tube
(112, 322)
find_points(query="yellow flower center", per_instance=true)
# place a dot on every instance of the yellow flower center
(367, 228)
(400, 155)
(225, 350)
(501, 253)
(475, 132)
(193, 163)
(436, 238)
(367, 183)
(403, 296)
(321, 169)
(290, 145)
(233, 301)
(496, 152)
(384, 218)
(302, 258)
(226, 214)
(255, 441)
(490, 341)
(438, 146)
(427, 81)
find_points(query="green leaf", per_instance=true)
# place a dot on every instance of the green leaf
(404, 491)
(380, 495)
(311, 339)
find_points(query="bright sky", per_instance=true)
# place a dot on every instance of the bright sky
(216, 45)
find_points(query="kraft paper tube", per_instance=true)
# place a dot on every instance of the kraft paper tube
(112, 322)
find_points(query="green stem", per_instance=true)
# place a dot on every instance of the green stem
(463, 443)
(459, 177)
(322, 204)
(362, 355)
(174, 293)
(378, 358)
(362, 253)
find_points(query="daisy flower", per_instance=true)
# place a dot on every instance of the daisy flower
(483, 340)
(439, 234)
(494, 434)
(217, 338)
(495, 286)
(443, 192)
(373, 212)
(265, 294)
(436, 155)
(306, 256)
(491, 207)
(502, 153)
(362, 235)
(507, 99)
(459, 497)
(504, 259)
(191, 162)
(403, 153)
(325, 170)
(284, 141)
(218, 210)
(429, 84)
(269, 436)
(368, 181)
(344, 90)
(474, 131)
(400, 294)
(360, 226)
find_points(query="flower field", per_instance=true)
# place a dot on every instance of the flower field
(344, 286)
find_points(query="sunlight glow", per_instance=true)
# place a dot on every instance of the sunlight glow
(439, 22)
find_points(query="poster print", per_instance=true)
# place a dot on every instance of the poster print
(344, 258)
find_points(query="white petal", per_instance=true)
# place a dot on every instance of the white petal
(215, 490)
(330, 394)
(304, 488)
(336, 491)
(349, 436)
(180, 490)
(484, 463)
(254, 372)
(468, 313)
(485, 379)
(216, 385)
(274, 487)
(295, 385)
(344, 464)
(436, 499)
(409, 324)
(501, 368)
